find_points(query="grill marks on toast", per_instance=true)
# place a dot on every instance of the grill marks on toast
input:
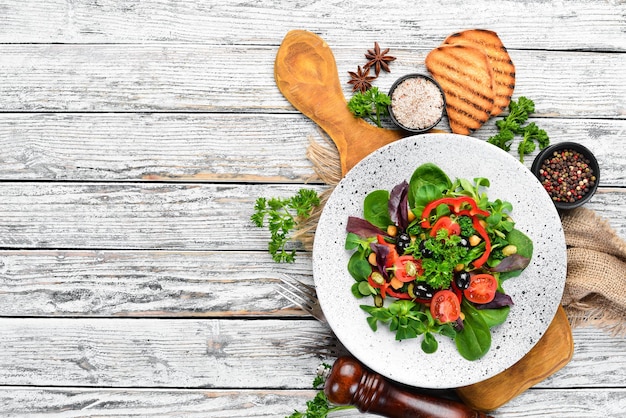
(464, 74)
(502, 67)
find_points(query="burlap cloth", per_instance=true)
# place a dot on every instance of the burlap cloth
(595, 289)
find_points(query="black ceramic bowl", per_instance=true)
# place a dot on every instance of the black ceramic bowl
(558, 159)
(419, 103)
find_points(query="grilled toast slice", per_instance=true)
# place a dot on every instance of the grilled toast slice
(502, 67)
(465, 76)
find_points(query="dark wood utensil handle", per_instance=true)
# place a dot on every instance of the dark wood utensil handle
(349, 383)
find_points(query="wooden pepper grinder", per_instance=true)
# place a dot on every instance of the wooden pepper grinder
(349, 383)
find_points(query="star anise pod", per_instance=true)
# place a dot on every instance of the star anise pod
(378, 59)
(361, 80)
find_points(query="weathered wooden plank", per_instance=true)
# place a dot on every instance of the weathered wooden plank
(174, 147)
(564, 403)
(193, 147)
(84, 284)
(566, 25)
(162, 216)
(126, 403)
(610, 206)
(195, 78)
(70, 402)
(219, 353)
(131, 215)
(152, 353)
(593, 350)
(179, 259)
(146, 284)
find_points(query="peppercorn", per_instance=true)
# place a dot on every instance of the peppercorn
(567, 176)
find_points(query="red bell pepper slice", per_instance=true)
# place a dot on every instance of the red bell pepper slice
(445, 222)
(483, 234)
(386, 289)
(398, 295)
(455, 204)
(382, 287)
(458, 292)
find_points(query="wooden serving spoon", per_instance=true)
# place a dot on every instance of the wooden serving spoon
(306, 74)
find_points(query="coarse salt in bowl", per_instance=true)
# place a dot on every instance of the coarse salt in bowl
(417, 103)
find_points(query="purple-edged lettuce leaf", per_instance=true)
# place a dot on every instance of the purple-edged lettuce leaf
(363, 228)
(511, 263)
(398, 205)
(458, 325)
(499, 301)
(381, 251)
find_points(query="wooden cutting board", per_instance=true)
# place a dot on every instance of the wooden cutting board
(306, 74)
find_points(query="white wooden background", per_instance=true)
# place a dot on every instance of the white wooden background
(135, 137)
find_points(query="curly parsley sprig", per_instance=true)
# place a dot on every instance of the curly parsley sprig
(371, 104)
(283, 216)
(511, 126)
(319, 406)
(532, 134)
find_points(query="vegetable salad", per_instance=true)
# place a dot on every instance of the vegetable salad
(432, 255)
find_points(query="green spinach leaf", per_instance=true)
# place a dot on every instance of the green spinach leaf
(425, 174)
(494, 317)
(423, 196)
(521, 241)
(376, 208)
(359, 267)
(475, 339)
(524, 248)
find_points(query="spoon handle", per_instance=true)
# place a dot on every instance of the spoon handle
(349, 383)
(306, 74)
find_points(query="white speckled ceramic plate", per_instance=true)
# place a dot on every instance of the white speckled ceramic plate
(536, 292)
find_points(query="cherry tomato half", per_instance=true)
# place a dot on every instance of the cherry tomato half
(482, 288)
(407, 268)
(445, 306)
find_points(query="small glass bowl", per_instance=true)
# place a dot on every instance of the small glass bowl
(547, 153)
(430, 104)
